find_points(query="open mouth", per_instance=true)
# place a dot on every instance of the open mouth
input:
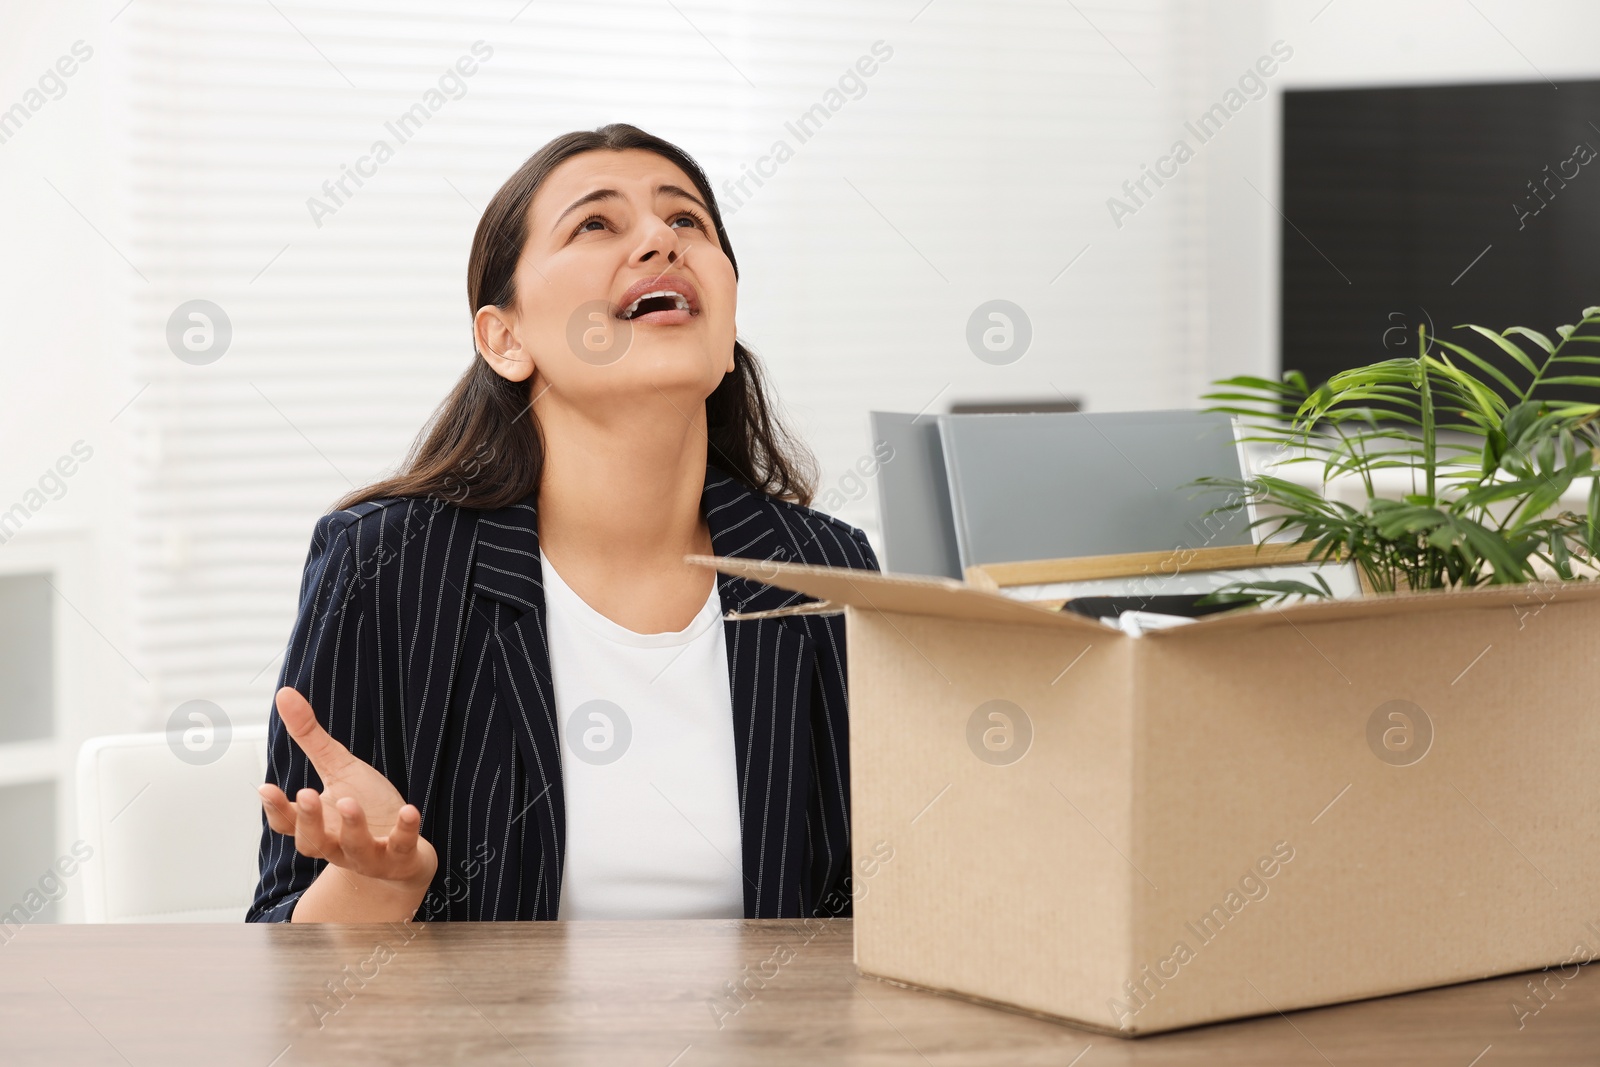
(659, 300)
(654, 303)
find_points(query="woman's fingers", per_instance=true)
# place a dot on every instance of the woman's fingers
(337, 831)
(310, 836)
(402, 841)
(361, 852)
(328, 756)
(280, 811)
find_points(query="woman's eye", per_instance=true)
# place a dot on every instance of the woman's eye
(689, 216)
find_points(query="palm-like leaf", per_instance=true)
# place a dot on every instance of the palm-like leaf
(1479, 509)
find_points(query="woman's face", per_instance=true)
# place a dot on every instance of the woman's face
(605, 230)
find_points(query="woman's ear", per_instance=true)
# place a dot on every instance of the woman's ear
(494, 333)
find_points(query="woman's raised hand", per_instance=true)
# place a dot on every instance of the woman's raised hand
(359, 821)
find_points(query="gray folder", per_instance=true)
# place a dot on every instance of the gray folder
(969, 489)
(919, 533)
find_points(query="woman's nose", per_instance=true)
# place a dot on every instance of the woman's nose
(658, 238)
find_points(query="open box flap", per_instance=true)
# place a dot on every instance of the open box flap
(948, 598)
(912, 595)
(1521, 598)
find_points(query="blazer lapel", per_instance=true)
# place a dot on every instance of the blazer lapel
(506, 568)
(769, 678)
(442, 582)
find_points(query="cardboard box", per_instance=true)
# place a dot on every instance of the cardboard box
(1256, 812)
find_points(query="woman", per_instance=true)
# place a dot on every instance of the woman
(506, 695)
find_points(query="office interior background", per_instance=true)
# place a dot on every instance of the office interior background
(202, 151)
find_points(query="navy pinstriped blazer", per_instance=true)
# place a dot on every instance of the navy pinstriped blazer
(420, 643)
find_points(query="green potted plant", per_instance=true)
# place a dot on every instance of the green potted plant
(1487, 466)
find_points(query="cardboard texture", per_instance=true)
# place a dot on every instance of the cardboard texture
(1222, 819)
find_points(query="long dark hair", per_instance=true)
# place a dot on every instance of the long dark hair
(483, 448)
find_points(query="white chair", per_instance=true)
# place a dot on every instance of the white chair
(174, 841)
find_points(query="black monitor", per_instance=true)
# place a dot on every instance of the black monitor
(1442, 203)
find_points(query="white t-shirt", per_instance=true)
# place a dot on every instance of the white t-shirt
(647, 760)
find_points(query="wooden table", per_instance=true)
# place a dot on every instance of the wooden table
(652, 994)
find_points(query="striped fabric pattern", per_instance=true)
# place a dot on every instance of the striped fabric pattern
(420, 642)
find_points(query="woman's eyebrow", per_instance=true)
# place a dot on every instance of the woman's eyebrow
(587, 198)
(673, 190)
(612, 194)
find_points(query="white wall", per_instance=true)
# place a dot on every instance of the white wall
(64, 376)
(1346, 43)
